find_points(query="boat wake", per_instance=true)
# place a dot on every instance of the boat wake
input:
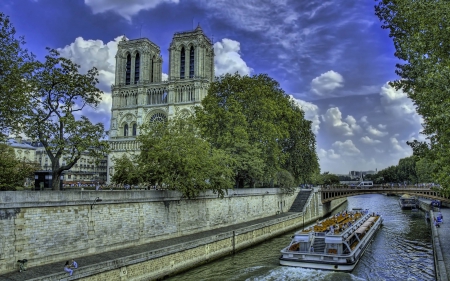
(304, 274)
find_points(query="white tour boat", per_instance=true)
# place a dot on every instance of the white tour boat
(336, 243)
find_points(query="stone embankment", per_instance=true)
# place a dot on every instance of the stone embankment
(141, 237)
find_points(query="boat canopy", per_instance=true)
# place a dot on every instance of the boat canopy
(301, 238)
(361, 229)
(333, 239)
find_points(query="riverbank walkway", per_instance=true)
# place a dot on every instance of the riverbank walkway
(441, 236)
(113, 259)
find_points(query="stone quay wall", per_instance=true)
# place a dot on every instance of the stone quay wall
(50, 226)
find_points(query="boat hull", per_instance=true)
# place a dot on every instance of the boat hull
(319, 265)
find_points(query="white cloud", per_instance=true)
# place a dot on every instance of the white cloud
(123, 8)
(165, 77)
(368, 140)
(326, 83)
(329, 154)
(381, 126)
(311, 113)
(396, 145)
(333, 119)
(347, 148)
(364, 120)
(397, 104)
(375, 131)
(228, 59)
(94, 53)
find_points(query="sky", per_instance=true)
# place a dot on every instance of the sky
(332, 57)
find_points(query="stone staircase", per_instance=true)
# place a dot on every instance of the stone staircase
(300, 201)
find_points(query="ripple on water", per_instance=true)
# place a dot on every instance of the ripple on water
(301, 274)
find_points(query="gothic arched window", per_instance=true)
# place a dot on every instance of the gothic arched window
(191, 62)
(125, 130)
(182, 63)
(137, 64)
(128, 70)
(134, 129)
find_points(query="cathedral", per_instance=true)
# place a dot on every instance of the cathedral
(140, 95)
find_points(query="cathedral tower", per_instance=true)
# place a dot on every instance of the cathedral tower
(140, 95)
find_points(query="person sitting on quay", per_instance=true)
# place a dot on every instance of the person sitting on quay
(74, 264)
(67, 268)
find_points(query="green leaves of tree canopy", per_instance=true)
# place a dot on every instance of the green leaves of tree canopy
(421, 35)
(175, 157)
(259, 126)
(58, 93)
(16, 67)
(13, 171)
(126, 171)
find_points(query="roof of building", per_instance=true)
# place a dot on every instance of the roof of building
(14, 143)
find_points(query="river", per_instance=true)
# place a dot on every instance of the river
(401, 250)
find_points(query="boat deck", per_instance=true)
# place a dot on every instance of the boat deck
(339, 222)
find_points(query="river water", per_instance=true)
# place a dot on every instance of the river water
(401, 250)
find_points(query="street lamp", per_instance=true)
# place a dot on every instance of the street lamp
(95, 201)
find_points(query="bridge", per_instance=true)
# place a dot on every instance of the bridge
(329, 194)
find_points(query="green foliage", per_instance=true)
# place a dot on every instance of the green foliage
(13, 172)
(58, 92)
(173, 156)
(420, 32)
(126, 171)
(330, 179)
(257, 124)
(16, 66)
(285, 181)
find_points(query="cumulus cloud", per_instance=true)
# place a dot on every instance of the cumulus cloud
(326, 83)
(311, 113)
(368, 140)
(397, 104)
(94, 53)
(347, 148)
(228, 58)
(333, 119)
(328, 154)
(125, 9)
(375, 131)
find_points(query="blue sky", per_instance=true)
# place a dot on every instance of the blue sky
(331, 56)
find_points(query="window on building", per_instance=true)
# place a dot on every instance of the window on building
(137, 63)
(153, 69)
(134, 129)
(182, 63)
(125, 130)
(128, 70)
(191, 62)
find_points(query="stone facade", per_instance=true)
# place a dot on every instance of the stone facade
(140, 95)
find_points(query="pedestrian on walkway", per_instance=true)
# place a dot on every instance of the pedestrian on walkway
(74, 264)
(67, 268)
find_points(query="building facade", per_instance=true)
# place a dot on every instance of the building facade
(140, 95)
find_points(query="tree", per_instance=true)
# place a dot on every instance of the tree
(16, 67)
(13, 172)
(126, 171)
(254, 120)
(420, 34)
(174, 156)
(58, 93)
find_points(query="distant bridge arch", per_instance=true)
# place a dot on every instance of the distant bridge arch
(330, 194)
